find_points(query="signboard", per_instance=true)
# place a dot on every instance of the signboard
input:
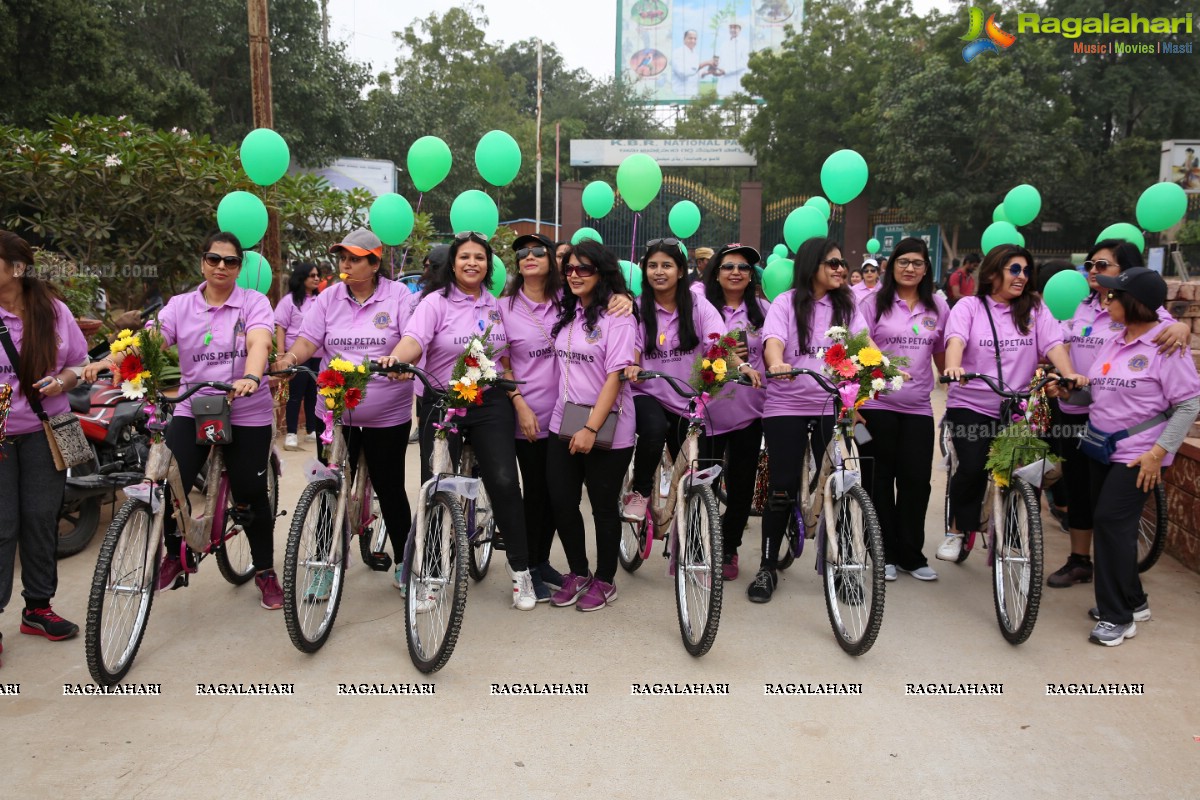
(375, 175)
(1180, 164)
(676, 51)
(890, 235)
(667, 152)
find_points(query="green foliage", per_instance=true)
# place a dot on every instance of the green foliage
(1190, 233)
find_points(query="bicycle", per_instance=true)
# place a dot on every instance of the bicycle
(1017, 558)
(123, 583)
(1152, 528)
(683, 494)
(851, 561)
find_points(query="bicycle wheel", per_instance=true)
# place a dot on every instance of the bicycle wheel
(787, 555)
(480, 541)
(1017, 563)
(233, 554)
(437, 591)
(1152, 529)
(698, 582)
(633, 540)
(122, 593)
(854, 592)
(314, 567)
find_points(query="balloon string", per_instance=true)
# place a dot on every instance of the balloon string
(404, 256)
(633, 244)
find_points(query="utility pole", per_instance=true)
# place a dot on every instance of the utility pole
(537, 187)
(325, 23)
(260, 99)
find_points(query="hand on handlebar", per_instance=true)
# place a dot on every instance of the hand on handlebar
(93, 370)
(243, 387)
(391, 361)
(632, 372)
(954, 373)
(780, 370)
(753, 376)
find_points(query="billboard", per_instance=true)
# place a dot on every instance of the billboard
(676, 51)
(667, 152)
(1181, 164)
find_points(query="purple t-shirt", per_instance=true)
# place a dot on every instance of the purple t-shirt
(668, 358)
(1019, 354)
(801, 397)
(736, 406)
(917, 334)
(342, 328)
(593, 356)
(188, 319)
(443, 325)
(531, 354)
(72, 352)
(861, 291)
(291, 318)
(1131, 383)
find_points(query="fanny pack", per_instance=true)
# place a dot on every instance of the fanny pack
(1099, 446)
(212, 420)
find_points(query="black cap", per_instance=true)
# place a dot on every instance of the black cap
(437, 256)
(1142, 284)
(532, 240)
(748, 252)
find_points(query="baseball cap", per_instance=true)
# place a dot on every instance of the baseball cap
(1142, 284)
(749, 253)
(532, 240)
(703, 252)
(870, 262)
(360, 242)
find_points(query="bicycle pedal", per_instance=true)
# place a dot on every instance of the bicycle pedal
(379, 562)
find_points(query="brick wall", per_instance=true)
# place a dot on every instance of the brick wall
(1183, 505)
(1183, 301)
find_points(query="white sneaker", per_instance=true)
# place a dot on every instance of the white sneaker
(889, 572)
(398, 579)
(951, 547)
(524, 598)
(925, 573)
(428, 597)
(290, 443)
(311, 437)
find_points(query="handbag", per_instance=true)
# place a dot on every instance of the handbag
(1099, 446)
(576, 415)
(64, 434)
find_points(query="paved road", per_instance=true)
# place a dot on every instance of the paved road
(744, 743)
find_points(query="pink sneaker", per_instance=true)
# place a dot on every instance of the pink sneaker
(572, 587)
(598, 595)
(272, 595)
(730, 571)
(634, 507)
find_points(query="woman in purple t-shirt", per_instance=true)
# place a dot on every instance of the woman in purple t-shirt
(907, 319)
(1007, 303)
(735, 415)
(289, 316)
(47, 342)
(595, 348)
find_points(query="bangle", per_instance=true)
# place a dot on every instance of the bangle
(514, 395)
(248, 377)
(593, 430)
(61, 385)
(743, 364)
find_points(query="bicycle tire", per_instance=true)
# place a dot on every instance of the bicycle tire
(437, 597)
(122, 594)
(856, 572)
(480, 542)
(77, 524)
(1152, 536)
(698, 578)
(234, 558)
(306, 567)
(633, 540)
(1017, 564)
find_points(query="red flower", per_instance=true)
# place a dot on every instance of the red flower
(835, 354)
(730, 342)
(878, 373)
(714, 353)
(714, 336)
(353, 398)
(479, 397)
(330, 377)
(131, 367)
(471, 361)
(708, 376)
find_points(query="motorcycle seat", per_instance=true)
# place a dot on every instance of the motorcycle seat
(81, 402)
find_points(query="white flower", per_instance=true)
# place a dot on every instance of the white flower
(854, 358)
(465, 380)
(66, 148)
(182, 132)
(897, 383)
(489, 373)
(133, 390)
(821, 353)
(473, 375)
(112, 161)
(886, 362)
(476, 348)
(878, 385)
(122, 118)
(836, 332)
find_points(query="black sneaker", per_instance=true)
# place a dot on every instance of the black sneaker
(44, 622)
(763, 587)
(549, 575)
(1076, 570)
(849, 589)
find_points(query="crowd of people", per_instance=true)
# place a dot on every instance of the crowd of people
(569, 330)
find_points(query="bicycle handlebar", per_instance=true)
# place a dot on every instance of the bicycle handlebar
(821, 380)
(686, 392)
(411, 369)
(296, 370)
(224, 387)
(995, 386)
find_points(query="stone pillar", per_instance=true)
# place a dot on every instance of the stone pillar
(572, 209)
(854, 246)
(750, 226)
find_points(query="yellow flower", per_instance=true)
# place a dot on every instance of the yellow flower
(119, 346)
(1000, 480)
(327, 391)
(341, 365)
(705, 364)
(330, 403)
(466, 391)
(125, 333)
(719, 366)
(143, 374)
(136, 341)
(870, 357)
(361, 369)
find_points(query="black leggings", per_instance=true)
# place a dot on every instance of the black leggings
(303, 389)
(897, 465)
(1077, 472)
(787, 443)
(741, 470)
(655, 426)
(492, 429)
(972, 434)
(247, 459)
(385, 449)
(603, 471)
(539, 514)
(1118, 506)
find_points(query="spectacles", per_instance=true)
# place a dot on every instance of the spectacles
(582, 270)
(664, 242)
(730, 266)
(463, 236)
(917, 264)
(835, 263)
(1100, 265)
(1018, 269)
(536, 252)
(215, 259)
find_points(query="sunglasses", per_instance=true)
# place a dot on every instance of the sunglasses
(216, 259)
(664, 242)
(1017, 269)
(536, 252)
(835, 263)
(582, 270)
(730, 266)
(1101, 265)
(866, 269)
(476, 236)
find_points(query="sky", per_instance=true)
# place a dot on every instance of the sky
(584, 32)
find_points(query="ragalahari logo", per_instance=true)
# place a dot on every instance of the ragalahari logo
(984, 38)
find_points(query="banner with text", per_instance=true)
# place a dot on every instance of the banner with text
(667, 152)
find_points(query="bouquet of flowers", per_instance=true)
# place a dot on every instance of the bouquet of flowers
(711, 370)
(1019, 445)
(860, 371)
(474, 372)
(342, 385)
(141, 370)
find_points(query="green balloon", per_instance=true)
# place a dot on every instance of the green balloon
(498, 158)
(586, 233)
(821, 204)
(638, 180)
(391, 218)
(1125, 232)
(843, 176)
(780, 250)
(256, 273)
(633, 277)
(772, 258)
(803, 224)
(1020, 238)
(499, 276)
(1022, 204)
(872, 246)
(777, 277)
(265, 156)
(243, 215)
(428, 162)
(474, 211)
(684, 219)
(999, 233)
(1064, 292)
(1161, 206)
(998, 214)
(598, 199)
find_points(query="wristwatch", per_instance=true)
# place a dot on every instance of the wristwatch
(255, 378)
